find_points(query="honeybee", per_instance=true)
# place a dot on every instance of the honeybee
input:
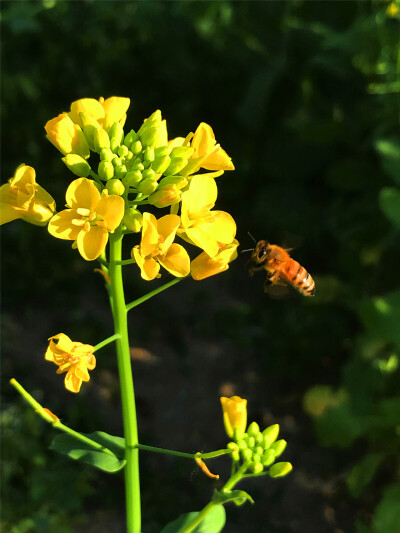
(281, 269)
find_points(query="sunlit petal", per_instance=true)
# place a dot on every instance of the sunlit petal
(91, 243)
(176, 261)
(61, 225)
(82, 193)
(111, 209)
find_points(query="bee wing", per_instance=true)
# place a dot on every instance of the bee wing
(279, 291)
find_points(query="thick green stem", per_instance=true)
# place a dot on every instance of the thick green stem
(132, 484)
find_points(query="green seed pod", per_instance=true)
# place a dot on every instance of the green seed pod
(147, 186)
(105, 170)
(270, 435)
(148, 154)
(120, 171)
(280, 469)
(253, 429)
(268, 457)
(115, 186)
(101, 139)
(123, 150)
(133, 219)
(182, 151)
(79, 166)
(136, 147)
(106, 154)
(161, 164)
(148, 173)
(278, 447)
(176, 165)
(133, 177)
(256, 467)
(117, 132)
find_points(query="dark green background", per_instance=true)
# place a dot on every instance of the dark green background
(304, 96)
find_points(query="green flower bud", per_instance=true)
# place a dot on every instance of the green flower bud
(117, 161)
(98, 187)
(235, 455)
(161, 164)
(270, 435)
(133, 219)
(115, 186)
(101, 139)
(116, 131)
(246, 454)
(147, 186)
(256, 467)
(114, 144)
(251, 442)
(89, 127)
(122, 151)
(278, 447)
(256, 457)
(165, 196)
(259, 450)
(176, 165)
(120, 171)
(179, 181)
(162, 151)
(232, 446)
(237, 432)
(148, 154)
(130, 137)
(133, 177)
(182, 151)
(146, 164)
(259, 438)
(105, 170)
(242, 444)
(280, 469)
(138, 165)
(79, 166)
(148, 173)
(136, 147)
(149, 136)
(106, 154)
(129, 155)
(253, 429)
(268, 457)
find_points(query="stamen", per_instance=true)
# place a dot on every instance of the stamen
(83, 211)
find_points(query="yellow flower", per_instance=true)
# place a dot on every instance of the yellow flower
(157, 248)
(23, 198)
(204, 266)
(72, 357)
(205, 228)
(88, 219)
(234, 410)
(67, 136)
(105, 112)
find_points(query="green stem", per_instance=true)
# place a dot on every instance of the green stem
(152, 293)
(54, 420)
(106, 341)
(132, 482)
(103, 262)
(126, 262)
(198, 455)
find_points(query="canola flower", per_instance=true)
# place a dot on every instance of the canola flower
(234, 411)
(72, 357)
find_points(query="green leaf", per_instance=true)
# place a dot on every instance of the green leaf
(239, 497)
(81, 451)
(381, 316)
(363, 472)
(389, 151)
(213, 522)
(389, 201)
(387, 512)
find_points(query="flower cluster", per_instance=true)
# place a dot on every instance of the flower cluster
(258, 449)
(131, 177)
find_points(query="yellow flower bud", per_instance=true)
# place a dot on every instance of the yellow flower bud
(79, 166)
(147, 186)
(177, 164)
(89, 127)
(165, 196)
(101, 139)
(67, 136)
(235, 414)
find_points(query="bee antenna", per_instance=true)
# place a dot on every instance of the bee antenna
(249, 250)
(251, 237)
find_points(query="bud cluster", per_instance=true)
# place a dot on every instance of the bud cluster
(138, 161)
(260, 449)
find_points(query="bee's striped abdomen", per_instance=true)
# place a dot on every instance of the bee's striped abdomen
(299, 278)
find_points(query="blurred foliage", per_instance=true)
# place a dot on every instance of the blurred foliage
(305, 98)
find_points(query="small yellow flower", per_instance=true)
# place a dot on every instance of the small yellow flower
(204, 266)
(235, 414)
(392, 10)
(23, 198)
(205, 228)
(105, 112)
(72, 357)
(67, 136)
(88, 219)
(157, 248)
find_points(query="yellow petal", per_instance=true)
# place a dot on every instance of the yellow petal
(203, 240)
(203, 141)
(149, 240)
(38, 213)
(176, 261)
(61, 225)
(115, 109)
(23, 175)
(82, 193)
(72, 382)
(222, 228)
(67, 136)
(9, 212)
(166, 227)
(111, 209)
(149, 268)
(218, 160)
(86, 105)
(202, 194)
(203, 266)
(91, 243)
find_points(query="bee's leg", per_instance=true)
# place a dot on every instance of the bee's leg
(272, 279)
